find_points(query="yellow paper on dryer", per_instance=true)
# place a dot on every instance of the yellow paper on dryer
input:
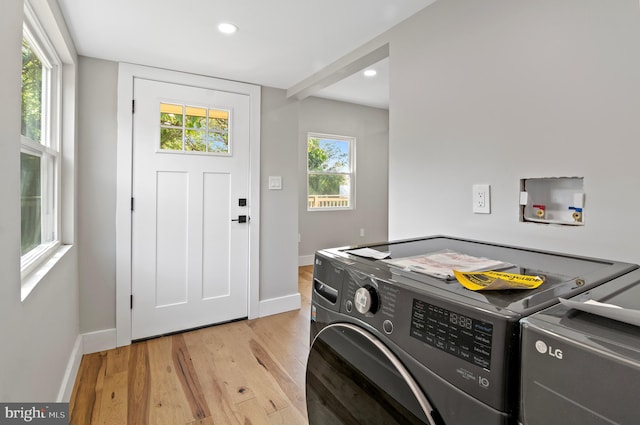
(491, 281)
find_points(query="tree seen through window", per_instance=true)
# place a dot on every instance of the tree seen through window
(329, 168)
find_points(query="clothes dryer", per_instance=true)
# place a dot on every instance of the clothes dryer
(583, 368)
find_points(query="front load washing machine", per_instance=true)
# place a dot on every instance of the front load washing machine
(395, 346)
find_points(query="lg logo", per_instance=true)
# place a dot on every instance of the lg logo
(547, 349)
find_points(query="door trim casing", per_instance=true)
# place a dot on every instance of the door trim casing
(124, 169)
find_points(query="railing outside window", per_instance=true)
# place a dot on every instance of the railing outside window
(327, 201)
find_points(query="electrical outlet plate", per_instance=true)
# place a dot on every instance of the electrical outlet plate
(482, 199)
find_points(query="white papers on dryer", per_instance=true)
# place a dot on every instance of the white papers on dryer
(605, 310)
(441, 264)
(369, 253)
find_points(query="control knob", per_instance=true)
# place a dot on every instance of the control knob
(366, 300)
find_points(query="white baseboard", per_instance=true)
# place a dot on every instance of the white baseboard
(93, 342)
(279, 305)
(88, 343)
(305, 260)
(69, 378)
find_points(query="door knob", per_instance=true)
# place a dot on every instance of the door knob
(241, 219)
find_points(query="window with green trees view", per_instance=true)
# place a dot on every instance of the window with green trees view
(187, 128)
(330, 172)
(39, 145)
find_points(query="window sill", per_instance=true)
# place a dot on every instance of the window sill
(31, 280)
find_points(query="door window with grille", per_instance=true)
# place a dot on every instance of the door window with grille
(185, 128)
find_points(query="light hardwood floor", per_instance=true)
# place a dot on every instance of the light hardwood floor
(247, 372)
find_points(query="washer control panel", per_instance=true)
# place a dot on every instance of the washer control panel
(464, 337)
(373, 300)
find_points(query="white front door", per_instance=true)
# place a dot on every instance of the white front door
(190, 260)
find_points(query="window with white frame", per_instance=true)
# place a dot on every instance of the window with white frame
(330, 172)
(40, 145)
(185, 128)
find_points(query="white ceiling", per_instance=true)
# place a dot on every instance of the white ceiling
(279, 44)
(370, 91)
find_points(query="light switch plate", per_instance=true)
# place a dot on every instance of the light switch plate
(275, 182)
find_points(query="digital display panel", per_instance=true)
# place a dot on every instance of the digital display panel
(456, 334)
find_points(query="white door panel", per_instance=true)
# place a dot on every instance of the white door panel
(171, 258)
(189, 259)
(216, 238)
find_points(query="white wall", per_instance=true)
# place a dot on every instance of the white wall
(499, 90)
(37, 335)
(370, 127)
(278, 209)
(97, 95)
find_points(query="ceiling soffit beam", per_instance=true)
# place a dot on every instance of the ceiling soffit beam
(344, 67)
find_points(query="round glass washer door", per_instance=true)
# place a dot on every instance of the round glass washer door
(353, 378)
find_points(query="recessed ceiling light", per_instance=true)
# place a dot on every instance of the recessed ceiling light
(370, 73)
(227, 28)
